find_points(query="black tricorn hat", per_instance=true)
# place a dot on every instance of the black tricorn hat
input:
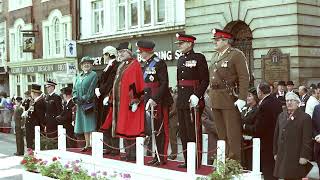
(19, 99)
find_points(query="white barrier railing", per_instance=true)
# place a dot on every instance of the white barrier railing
(97, 150)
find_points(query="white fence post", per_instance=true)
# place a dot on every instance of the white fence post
(139, 151)
(61, 146)
(97, 145)
(205, 148)
(191, 156)
(221, 155)
(37, 138)
(121, 145)
(256, 155)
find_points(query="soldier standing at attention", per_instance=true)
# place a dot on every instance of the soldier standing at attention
(193, 80)
(18, 127)
(229, 83)
(157, 94)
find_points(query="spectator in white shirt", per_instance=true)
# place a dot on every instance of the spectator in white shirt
(312, 102)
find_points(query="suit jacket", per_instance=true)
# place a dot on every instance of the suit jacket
(232, 68)
(158, 73)
(53, 109)
(105, 82)
(266, 118)
(65, 117)
(316, 131)
(249, 117)
(37, 116)
(191, 66)
(282, 99)
(292, 140)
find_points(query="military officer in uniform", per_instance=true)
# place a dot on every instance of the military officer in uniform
(66, 116)
(35, 114)
(229, 83)
(103, 92)
(18, 126)
(157, 94)
(53, 108)
(193, 80)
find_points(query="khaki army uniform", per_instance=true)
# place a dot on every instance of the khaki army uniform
(228, 72)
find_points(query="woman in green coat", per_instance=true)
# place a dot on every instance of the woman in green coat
(83, 97)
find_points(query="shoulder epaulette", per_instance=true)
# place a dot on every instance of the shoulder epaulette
(157, 59)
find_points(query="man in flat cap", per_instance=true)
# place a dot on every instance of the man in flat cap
(103, 92)
(229, 83)
(127, 116)
(18, 126)
(53, 108)
(156, 95)
(35, 114)
(67, 116)
(193, 80)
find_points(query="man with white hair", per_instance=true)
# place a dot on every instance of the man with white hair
(103, 92)
(292, 143)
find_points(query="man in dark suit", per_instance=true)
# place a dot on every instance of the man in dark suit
(66, 116)
(35, 114)
(103, 92)
(281, 93)
(316, 134)
(53, 108)
(304, 96)
(269, 109)
(193, 80)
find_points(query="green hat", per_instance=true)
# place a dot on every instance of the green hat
(86, 59)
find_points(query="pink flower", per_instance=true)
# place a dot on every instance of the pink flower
(94, 174)
(24, 161)
(76, 169)
(54, 158)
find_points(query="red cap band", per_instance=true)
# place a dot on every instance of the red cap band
(145, 49)
(223, 35)
(185, 39)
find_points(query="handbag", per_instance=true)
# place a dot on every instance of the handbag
(88, 107)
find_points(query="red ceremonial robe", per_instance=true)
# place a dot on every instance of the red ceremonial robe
(128, 86)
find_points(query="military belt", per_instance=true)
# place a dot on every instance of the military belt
(193, 83)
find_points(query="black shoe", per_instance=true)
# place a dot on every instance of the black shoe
(184, 165)
(17, 154)
(85, 149)
(154, 160)
(172, 156)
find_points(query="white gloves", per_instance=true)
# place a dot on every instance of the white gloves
(97, 92)
(240, 104)
(134, 107)
(317, 138)
(24, 114)
(194, 100)
(303, 161)
(105, 101)
(275, 157)
(150, 102)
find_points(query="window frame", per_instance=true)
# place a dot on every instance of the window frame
(101, 13)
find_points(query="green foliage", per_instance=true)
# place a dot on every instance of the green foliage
(52, 170)
(29, 162)
(47, 144)
(232, 168)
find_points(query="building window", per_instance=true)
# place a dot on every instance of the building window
(97, 9)
(147, 11)
(56, 29)
(161, 11)
(47, 40)
(122, 14)
(1, 5)
(31, 79)
(19, 43)
(18, 83)
(133, 13)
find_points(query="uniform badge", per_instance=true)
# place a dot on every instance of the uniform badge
(153, 70)
(191, 63)
(151, 78)
(224, 64)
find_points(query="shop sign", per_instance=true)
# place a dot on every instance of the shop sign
(44, 68)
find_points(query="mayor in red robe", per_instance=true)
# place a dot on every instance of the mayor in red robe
(127, 115)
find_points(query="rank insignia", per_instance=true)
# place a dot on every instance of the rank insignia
(151, 78)
(224, 64)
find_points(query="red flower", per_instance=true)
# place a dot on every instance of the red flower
(23, 161)
(54, 158)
